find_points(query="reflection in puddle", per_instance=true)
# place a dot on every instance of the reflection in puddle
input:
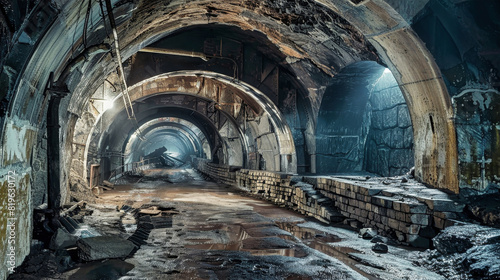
(305, 234)
(318, 240)
(109, 270)
(240, 240)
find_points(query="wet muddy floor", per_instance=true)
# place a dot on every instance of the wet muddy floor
(204, 230)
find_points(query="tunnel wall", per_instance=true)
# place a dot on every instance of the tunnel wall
(389, 148)
(478, 130)
(413, 219)
(463, 38)
(364, 124)
(342, 127)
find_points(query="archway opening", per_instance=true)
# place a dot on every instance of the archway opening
(364, 124)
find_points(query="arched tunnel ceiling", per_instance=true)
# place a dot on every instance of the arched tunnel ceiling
(329, 46)
(311, 39)
(121, 129)
(186, 132)
(342, 32)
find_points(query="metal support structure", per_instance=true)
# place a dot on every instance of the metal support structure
(125, 94)
(53, 150)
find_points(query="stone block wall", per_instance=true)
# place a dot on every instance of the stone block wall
(389, 148)
(409, 212)
(221, 173)
(279, 189)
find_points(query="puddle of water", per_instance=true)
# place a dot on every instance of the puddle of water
(319, 240)
(240, 240)
(109, 270)
(306, 234)
(237, 246)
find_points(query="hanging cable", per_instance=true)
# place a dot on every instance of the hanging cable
(103, 18)
(86, 24)
(125, 94)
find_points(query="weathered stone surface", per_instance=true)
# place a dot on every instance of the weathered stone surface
(367, 233)
(457, 239)
(103, 247)
(483, 262)
(79, 189)
(61, 239)
(380, 248)
(444, 205)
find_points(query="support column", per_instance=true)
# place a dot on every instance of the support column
(53, 151)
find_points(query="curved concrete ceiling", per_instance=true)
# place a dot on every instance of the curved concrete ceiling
(315, 38)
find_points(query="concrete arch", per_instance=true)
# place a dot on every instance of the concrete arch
(420, 80)
(158, 126)
(191, 82)
(399, 47)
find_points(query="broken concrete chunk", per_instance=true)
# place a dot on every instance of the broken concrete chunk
(444, 205)
(380, 248)
(367, 233)
(379, 239)
(61, 240)
(103, 247)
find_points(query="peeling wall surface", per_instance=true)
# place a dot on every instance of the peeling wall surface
(274, 94)
(478, 126)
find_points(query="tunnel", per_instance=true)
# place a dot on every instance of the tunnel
(290, 139)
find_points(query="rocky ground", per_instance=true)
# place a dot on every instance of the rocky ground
(172, 224)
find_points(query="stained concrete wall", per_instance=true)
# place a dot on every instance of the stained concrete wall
(467, 54)
(478, 131)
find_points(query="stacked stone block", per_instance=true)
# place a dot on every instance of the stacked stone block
(272, 186)
(224, 174)
(410, 212)
(301, 197)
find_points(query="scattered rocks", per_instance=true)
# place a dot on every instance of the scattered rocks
(379, 239)
(380, 248)
(471, 251)
(485, 209)
(367, 233)
(103, 247)
(457, 239)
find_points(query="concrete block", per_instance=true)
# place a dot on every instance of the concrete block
(400, 216)
(393, 223)
(383, 201)
(420, 219)
(445, 215)
(103, 247)
(438, 222)
(391, 213)
(414, 229)
(444, 205)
